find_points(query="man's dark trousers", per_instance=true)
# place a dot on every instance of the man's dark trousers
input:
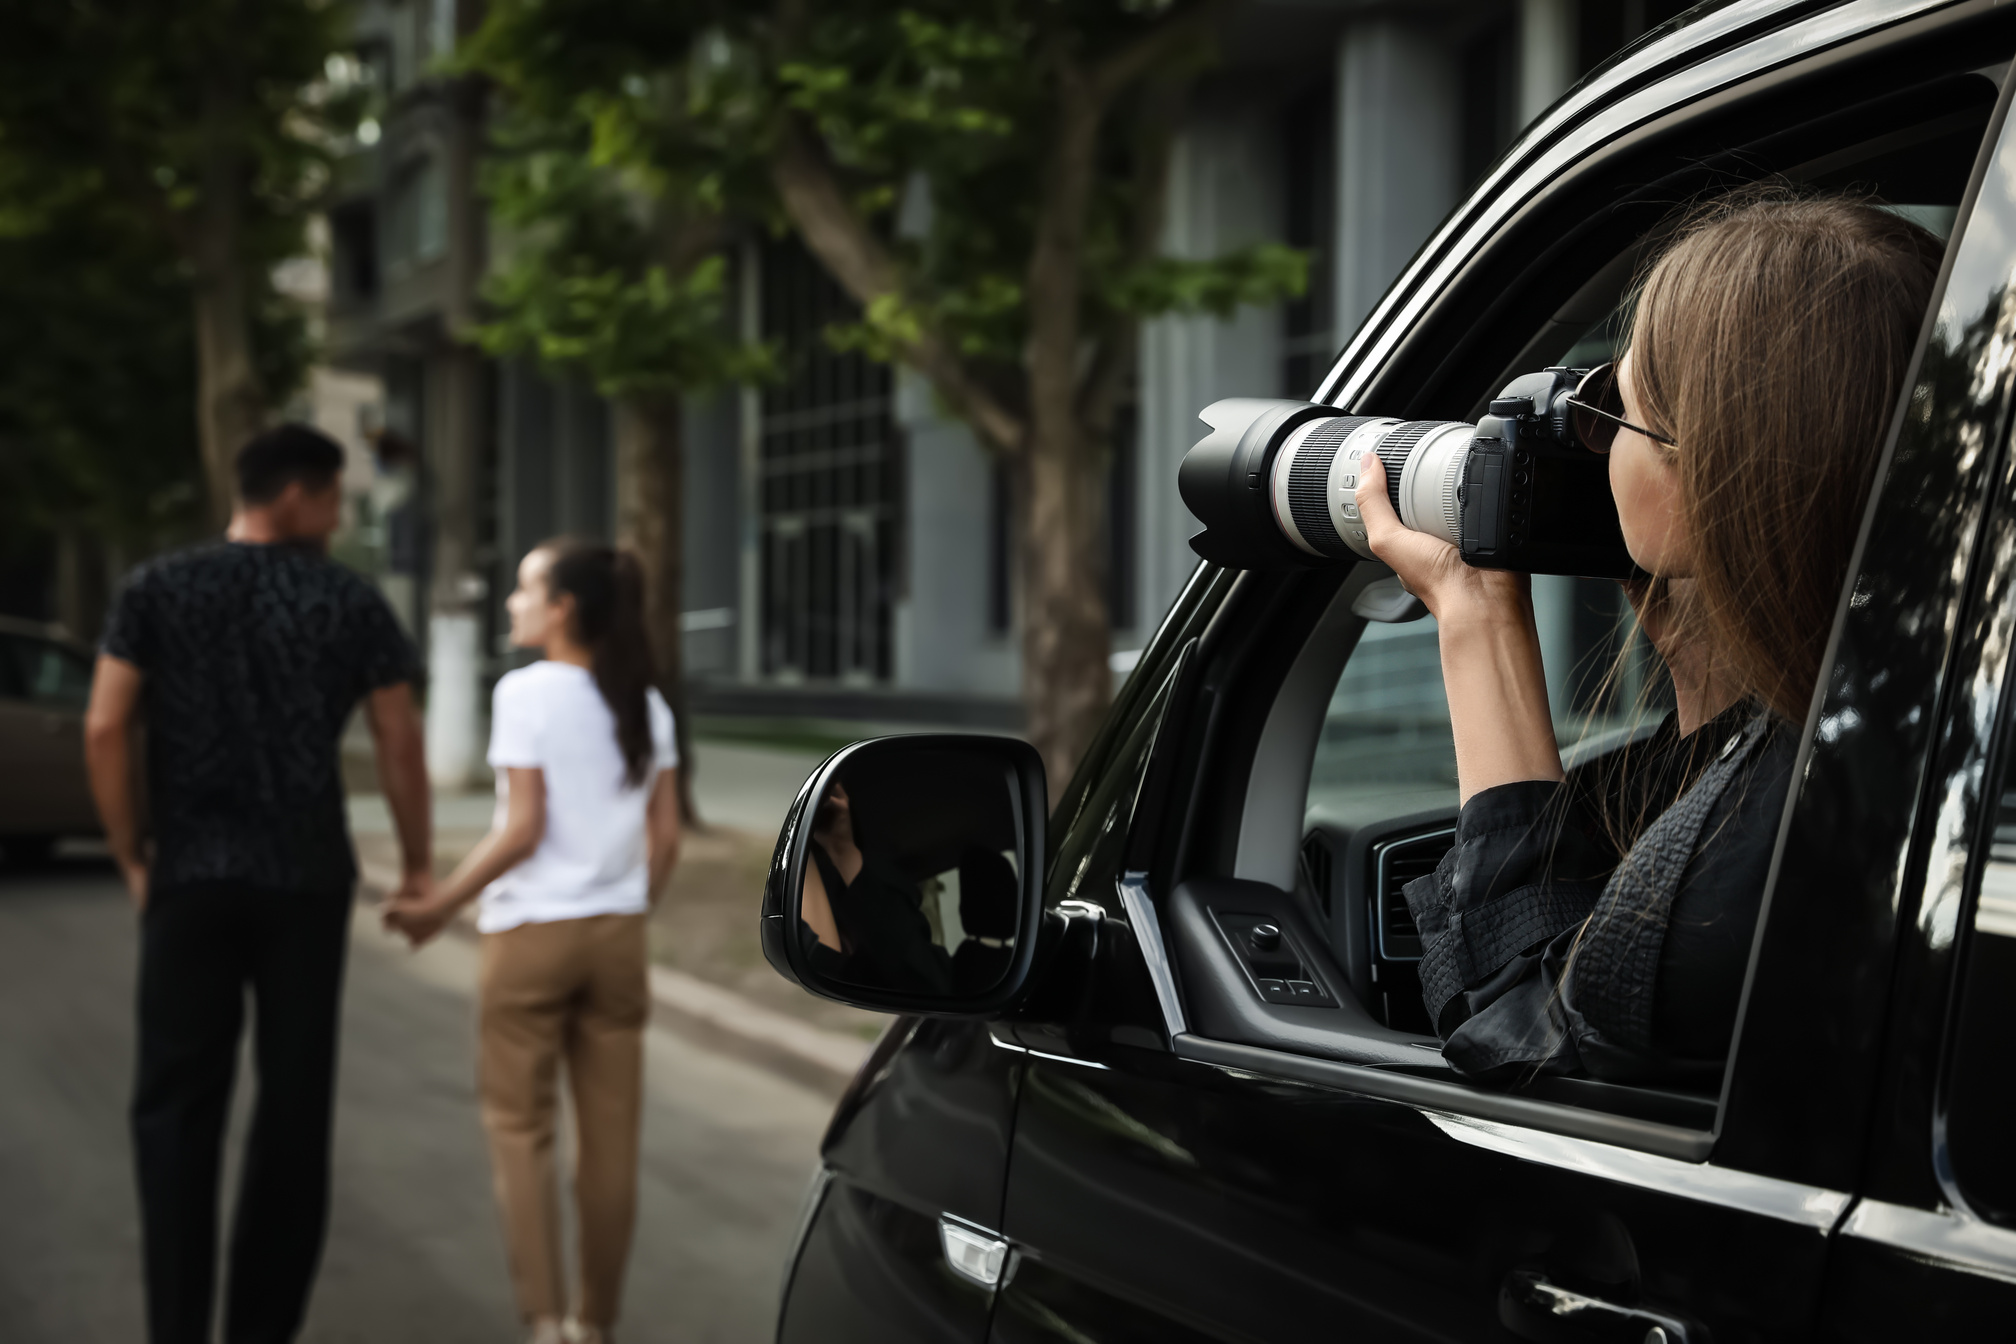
(201, 949)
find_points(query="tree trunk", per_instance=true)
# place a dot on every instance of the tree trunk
(1067, 681)
(650, 502)
(230, 404)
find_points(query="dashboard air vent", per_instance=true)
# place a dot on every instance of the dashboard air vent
(1395, 863)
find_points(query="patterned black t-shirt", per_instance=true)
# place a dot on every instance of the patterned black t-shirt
(252, 656)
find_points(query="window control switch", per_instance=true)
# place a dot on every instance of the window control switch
(1272, 961)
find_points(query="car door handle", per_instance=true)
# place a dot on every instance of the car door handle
(1532, 1308)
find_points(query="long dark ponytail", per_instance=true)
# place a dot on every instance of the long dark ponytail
(607, 585)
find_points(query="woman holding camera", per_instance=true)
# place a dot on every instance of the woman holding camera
(1601, 920)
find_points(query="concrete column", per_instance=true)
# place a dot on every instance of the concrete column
(458, 589)
(1546, 54)
(749, 475)
(1398, 154)
(1225, 191)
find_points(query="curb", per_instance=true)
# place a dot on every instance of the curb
(719, 1017)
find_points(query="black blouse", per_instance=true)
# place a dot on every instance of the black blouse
(1546, 948)
(882, 928)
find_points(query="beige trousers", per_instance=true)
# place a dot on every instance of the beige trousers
(577, 991)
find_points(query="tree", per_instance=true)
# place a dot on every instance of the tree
(1042, 132)
(1036, 137)
(614, 272)
(98, 446)
(207, 121)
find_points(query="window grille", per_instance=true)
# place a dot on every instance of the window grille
(830, 493)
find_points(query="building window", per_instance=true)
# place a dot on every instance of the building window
(830, 492)
(353, 246)
(417, 213)
(1309, 142)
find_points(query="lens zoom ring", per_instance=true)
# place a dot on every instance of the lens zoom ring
(1397, 446)
(1309, 482)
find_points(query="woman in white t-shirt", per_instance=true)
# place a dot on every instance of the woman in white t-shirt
(585, 834)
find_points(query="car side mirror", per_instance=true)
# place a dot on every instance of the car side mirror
(909, 875)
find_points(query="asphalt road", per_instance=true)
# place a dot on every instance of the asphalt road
(413, 1251)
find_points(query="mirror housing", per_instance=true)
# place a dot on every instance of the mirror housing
(908, 876)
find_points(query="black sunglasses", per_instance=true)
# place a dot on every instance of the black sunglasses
(1596, 411)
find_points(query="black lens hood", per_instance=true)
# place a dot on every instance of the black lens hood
(1224, 481)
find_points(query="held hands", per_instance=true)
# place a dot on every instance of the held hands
(1431, 568)
(418, 909)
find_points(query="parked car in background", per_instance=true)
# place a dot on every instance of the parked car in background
(1182, 1085)
(45, 684)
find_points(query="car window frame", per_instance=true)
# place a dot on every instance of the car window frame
(1464, 1098)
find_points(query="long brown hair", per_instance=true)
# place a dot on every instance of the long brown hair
(607, 585)
(1771, 340)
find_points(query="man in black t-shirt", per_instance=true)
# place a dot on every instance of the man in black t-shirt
(242, 660)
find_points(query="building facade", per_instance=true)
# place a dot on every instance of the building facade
(848, 548)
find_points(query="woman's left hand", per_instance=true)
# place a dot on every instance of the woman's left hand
(419, 918)
(1430, 567)
(1491, 669)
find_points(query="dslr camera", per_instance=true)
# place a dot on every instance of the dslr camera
(1525, 488)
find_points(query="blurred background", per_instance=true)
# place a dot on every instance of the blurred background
(849, 543)
(878, 328)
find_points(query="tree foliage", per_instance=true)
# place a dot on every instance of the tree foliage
(606, 274)
(201, 130)
(986, 178)
(955, 110)
(97, 402)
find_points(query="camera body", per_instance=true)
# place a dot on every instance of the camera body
(1275, 483)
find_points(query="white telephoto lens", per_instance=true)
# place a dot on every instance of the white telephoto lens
(1430, 480)
(1343, 492)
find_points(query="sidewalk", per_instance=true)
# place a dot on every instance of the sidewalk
(709, 974)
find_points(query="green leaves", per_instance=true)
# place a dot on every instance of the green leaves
(626, 332)
(939, 119)
(128, 131)
(1262, 273)
(613, 199)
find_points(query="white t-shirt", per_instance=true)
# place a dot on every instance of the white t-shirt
(591, 860)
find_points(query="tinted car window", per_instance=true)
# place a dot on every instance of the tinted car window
(1981, 1075)
(45, 672)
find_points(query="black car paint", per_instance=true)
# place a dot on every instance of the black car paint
(923, 1130)
(1156, 1189)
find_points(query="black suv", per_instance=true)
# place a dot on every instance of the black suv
(1164, 1073)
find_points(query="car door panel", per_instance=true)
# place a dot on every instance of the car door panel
(1261, 1208)
(923, 1132)
(871, 1270)
(1242, 1204)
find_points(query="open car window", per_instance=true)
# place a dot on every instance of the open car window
(1359, 721)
